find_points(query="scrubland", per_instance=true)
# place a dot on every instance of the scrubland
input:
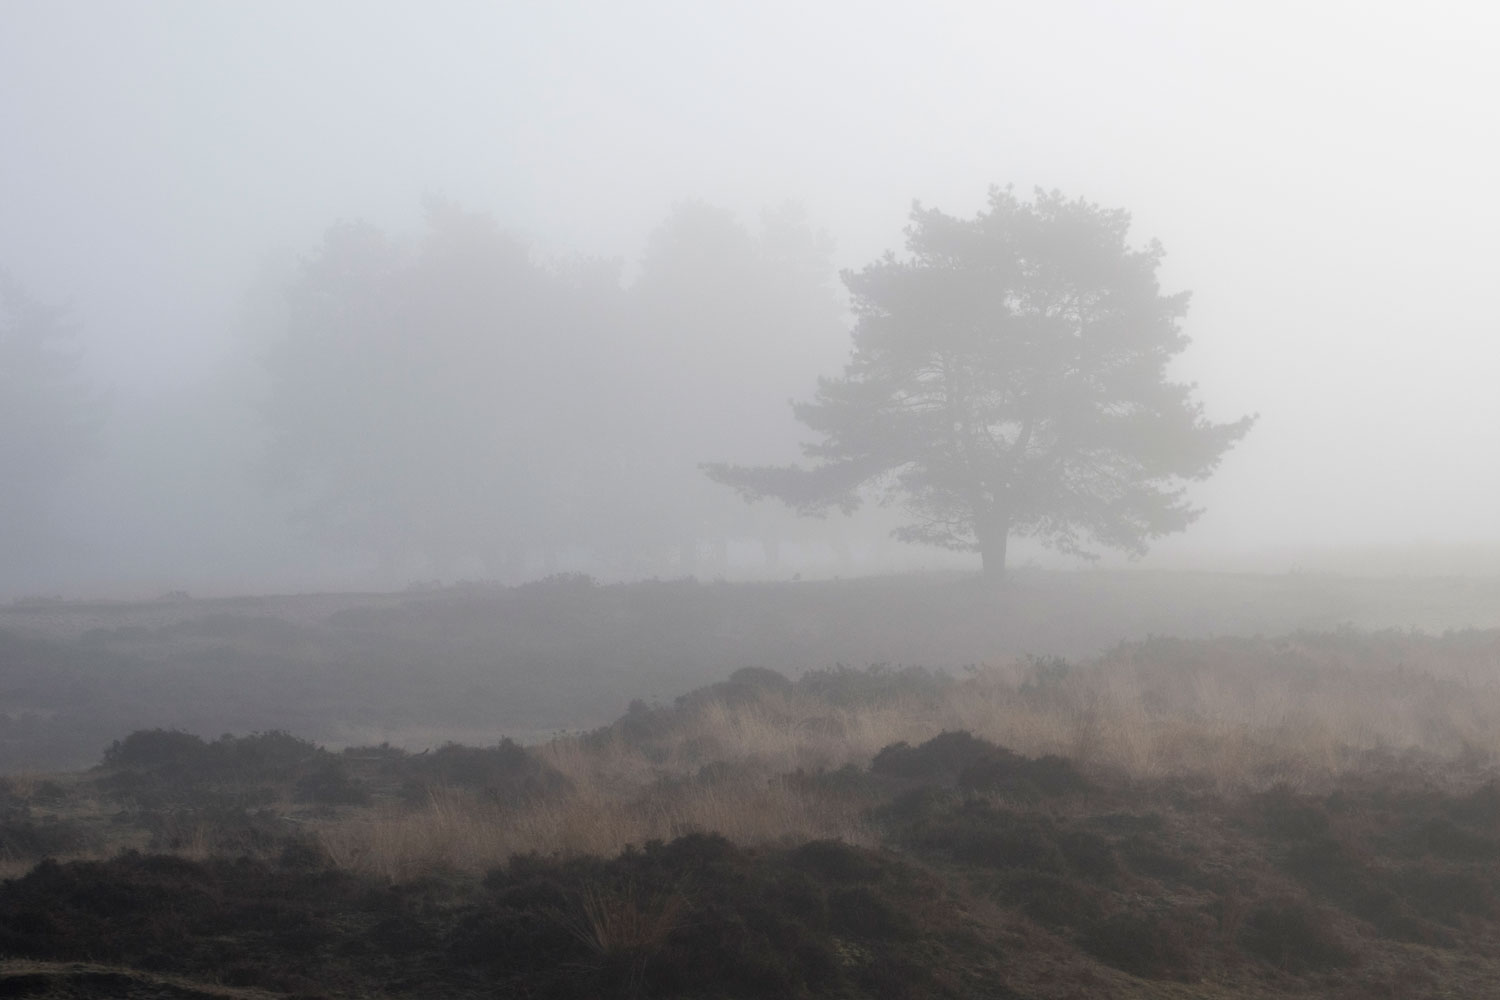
(1314, 814)
(1229, 715)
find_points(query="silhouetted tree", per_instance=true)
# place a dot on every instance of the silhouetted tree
(723, 315)
(1009, 378)
(49, 416)
(418, 394)
(458, 398)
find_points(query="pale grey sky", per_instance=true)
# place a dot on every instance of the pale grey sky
(1321, 174)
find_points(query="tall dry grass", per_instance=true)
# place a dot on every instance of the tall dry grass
(460, 831)
(1237, 714)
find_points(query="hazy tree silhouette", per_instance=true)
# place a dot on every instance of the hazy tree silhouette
(1009, 378)
(409, 389)
(724, 316)
(458, 398)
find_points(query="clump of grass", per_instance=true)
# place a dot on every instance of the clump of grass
(1297, 937)
(459, 831)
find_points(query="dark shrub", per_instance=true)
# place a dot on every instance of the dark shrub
(1044, 672)
(1053, 900)
(505, 771)
(1295, 936)
(476, 766)
(1284, 813)
(745, 686)
(863, 913)
(275, 755)
(760, 677)
(1445, 839)
(1326, 864)
(940, 759)
(1088, 853)
(155, 748)
(331, 784)
(849, 780)
(159, 766)
(1167, 945)
(1052, 776)
(1481, 808)
(641, 723)
(1342, 872)
(207, 920)
(1005, 773)
(992, 770)
(977, 765)
(978, 834)
(304, 854)
(916, 805)
(1157, 859)
(1447, 895)
(27, 839)
(835, 861)
(1020, 844)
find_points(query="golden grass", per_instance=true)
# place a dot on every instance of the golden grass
(1234, 714)
(1226, 719)
(459, 831)
(1237, 714)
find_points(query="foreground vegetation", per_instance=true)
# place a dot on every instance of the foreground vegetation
(1311, 816)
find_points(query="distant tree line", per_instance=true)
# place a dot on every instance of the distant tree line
(454, 401)
(460, 400)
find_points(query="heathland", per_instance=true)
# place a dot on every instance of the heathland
(902, 787)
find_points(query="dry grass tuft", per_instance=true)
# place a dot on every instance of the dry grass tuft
(459, 831)
(618, 921)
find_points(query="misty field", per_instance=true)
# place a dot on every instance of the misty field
(821, 789)
(477, 663)
(749, 501)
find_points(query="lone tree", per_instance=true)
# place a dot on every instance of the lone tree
(1008, 377)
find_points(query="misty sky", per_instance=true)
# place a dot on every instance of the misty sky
(1322, 176)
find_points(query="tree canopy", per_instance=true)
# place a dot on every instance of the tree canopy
(1008, 378)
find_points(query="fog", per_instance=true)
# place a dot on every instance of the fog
(669, 191)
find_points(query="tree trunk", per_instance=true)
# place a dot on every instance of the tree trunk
(992, 558)
(993, 534)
